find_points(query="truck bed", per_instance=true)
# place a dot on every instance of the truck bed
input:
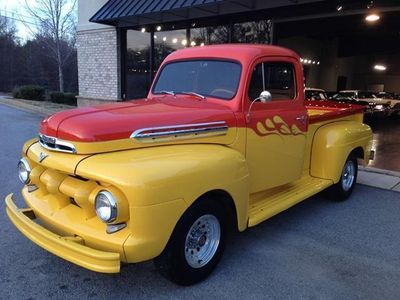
(319, 111)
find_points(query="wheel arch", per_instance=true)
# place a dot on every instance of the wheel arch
(227, 203)
(332, 145)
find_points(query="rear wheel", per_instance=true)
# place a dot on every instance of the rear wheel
(343, 189)
(196, 244)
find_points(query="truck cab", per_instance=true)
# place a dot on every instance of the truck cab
(224, 140)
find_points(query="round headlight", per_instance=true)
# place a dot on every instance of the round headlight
(24, 169)
(106, 206)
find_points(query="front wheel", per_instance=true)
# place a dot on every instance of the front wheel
(196, 244)
(343, 189)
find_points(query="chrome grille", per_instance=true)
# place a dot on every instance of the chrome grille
(54, 144)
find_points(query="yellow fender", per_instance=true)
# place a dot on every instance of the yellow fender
(332, 144)
(160, 183)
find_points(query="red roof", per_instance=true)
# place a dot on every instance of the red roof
(240, 52)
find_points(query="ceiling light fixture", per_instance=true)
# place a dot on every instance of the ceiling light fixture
(339, 7)
(143, 29)
(372, 18)
(380, 67)
(158, 28)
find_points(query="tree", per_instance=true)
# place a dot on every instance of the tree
(8, 49)
(55, 24)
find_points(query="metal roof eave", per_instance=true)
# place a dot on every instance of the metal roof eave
(145, 12)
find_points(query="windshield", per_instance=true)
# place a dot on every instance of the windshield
(315, 95)
(364, 95)
(213, 78)
(345, 95)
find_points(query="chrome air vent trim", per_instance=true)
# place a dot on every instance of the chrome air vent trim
(54, 144)
(189, 131)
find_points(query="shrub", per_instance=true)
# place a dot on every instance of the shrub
(29, 92)
(16, 93)
(64, 98)
(56, 97)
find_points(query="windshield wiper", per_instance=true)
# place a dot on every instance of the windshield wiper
(193, 94)
(172, 93)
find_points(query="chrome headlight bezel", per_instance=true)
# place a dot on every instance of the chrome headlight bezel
(24, 167)
(109, 202)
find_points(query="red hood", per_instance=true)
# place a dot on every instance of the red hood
(119, 120)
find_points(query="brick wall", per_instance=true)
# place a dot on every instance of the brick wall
(98, 65)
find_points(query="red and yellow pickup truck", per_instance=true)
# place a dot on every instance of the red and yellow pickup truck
(224, 140)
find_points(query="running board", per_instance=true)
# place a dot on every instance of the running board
(266, 204)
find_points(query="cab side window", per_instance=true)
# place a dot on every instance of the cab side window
(276, 77)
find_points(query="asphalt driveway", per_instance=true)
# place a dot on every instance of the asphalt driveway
(318, 249)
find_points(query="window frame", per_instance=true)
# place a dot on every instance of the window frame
(278, 61)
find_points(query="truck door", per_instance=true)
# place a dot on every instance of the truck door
(276, 130)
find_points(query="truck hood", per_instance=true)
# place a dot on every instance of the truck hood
(141, 123)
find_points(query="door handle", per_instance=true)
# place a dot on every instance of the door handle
(302, 119)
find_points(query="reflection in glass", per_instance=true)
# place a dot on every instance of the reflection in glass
(137, 64)
(166, 42)
(209, 35)
(258, 32)
(214, 78)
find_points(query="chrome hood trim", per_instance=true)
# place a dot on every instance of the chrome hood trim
(173, 132)
(54, 144)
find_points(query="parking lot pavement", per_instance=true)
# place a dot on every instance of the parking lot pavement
(317, 249)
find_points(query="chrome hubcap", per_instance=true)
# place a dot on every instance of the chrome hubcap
(348, 175)
(202, 241)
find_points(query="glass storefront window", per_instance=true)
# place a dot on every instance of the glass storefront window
(138, 77)
(258, 32)
(138, 73)
(166, 42)
(209, 35)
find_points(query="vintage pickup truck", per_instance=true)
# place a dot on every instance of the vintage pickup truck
(223, 141)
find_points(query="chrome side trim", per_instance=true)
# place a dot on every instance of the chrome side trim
(197, 130)
(54, 144)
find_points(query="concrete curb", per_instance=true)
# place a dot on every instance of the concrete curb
(38, 108)
(378, 178)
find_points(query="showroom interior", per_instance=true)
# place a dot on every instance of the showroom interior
(340, 46)
(343, 45)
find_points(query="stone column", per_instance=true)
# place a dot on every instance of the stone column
(98, 58)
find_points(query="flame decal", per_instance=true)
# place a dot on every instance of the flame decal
(277, 126)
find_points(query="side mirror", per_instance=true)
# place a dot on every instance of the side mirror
(265, 96)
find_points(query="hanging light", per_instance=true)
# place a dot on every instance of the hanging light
(193, 43)
(174, 40)
(184, 42)
(380, 67)
(372, 18)
(158, 28)
(143, 29)
(164, 38)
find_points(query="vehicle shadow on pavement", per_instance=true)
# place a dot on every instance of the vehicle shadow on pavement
(318, 248)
